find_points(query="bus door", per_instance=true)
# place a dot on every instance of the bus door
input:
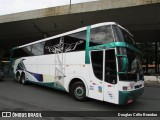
(103, 84)
(96, 75)
(59, 65)
(110, 88)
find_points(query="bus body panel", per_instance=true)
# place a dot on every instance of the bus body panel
(111, 93)
(95, 86)
(46, 66)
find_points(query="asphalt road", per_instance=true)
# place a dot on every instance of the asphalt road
(18, 97)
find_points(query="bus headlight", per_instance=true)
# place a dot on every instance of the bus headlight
(127, 88)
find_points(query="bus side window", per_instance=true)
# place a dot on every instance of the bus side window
(110, 67)
(38, 49)
(53, 46)
(97, 63)
(75, 42)
(20, 52)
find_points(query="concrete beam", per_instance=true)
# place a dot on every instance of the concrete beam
(74, 8)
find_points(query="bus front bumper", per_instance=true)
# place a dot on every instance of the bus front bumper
(126, 97)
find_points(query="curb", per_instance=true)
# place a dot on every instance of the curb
(152, 83)
(152, 80)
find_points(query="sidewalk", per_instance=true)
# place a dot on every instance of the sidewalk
(152, 81)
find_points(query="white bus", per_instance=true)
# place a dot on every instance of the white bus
(99, 61)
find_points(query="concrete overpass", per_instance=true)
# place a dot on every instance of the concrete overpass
(141, 17)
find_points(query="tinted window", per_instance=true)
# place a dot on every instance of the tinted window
(134, 66)
(97, 63)
(21, 52)
(134, 69)
(110, 67)
(18, 53)
(101, 35)
(28, 50)
(38, 49)
(123, 36)
(68, 43)
(31, 50)
(75, 42)
(54, 46)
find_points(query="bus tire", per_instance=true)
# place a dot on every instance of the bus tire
(78, 91)
(24, 82)
(18, 78)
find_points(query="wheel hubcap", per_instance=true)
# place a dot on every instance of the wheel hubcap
(23, 80)
(79, 91)
(18, 78)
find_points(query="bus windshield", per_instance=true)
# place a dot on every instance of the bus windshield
(106, 34)
(101, 35)
(133, 68)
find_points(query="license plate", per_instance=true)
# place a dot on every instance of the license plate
(129, 101)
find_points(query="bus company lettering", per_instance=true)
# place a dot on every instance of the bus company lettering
(15, 114)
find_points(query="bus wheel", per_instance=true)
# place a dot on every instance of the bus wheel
(18, 78)
(23, 80)
(78, 91)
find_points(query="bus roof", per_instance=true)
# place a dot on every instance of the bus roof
(71, 32)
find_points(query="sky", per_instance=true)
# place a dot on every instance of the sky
(14, 6)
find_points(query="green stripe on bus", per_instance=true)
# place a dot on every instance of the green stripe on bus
(124, 96)
(113, 45)
(87, 60)
(121, 55)
(121, 72)
(50, 85)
